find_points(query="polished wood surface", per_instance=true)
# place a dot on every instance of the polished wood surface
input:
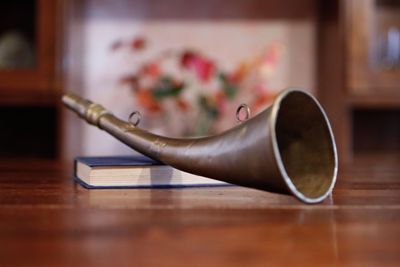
(47, 220)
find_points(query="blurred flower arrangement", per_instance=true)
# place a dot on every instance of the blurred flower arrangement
(187, 94)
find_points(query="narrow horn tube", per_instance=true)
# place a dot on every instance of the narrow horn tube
(288, 148)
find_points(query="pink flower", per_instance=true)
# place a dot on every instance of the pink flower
(272, 55)
(201, 66)
(187, 58)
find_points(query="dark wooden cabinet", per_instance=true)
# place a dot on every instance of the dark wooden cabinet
(42, 38)
(372, 40)
(30, 36)
(359, 78)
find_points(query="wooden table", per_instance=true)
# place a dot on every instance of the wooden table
(47, 220)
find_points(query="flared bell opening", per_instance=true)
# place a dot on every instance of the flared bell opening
(304, 146)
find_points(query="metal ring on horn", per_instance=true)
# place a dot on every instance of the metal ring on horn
(135, 118)
(247, 110)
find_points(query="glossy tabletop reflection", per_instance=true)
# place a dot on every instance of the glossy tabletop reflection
(47, 220)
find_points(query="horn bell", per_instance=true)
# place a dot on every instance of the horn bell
(303, 145)
(288, 148)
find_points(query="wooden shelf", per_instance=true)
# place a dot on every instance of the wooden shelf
(30, 98)
(375, 162)
(22, 80)
(374, 101)
(41, 77)
(366, 27)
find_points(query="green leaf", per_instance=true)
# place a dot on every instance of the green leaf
(229, 88)
(210, 110)
(166, 87)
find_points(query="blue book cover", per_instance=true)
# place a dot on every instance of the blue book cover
(133, 172)
(137, 160)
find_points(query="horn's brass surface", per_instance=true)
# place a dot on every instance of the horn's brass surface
(287, 148)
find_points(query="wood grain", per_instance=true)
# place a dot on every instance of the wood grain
(195, 10)
(47, 220)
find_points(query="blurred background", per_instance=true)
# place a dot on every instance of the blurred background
(187, 65)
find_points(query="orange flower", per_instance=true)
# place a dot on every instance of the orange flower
(239, 73)
(220, 100)
(220, 97)
(261, 100)
(151, 70)
(182, 104)
(146, 100)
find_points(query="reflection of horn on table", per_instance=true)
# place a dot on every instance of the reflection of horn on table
(287, 148)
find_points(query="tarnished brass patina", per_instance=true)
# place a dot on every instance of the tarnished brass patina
(287, 148)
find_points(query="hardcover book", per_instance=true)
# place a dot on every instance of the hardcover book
(134, 172)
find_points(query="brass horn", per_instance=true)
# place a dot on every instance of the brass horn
(287, 148)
